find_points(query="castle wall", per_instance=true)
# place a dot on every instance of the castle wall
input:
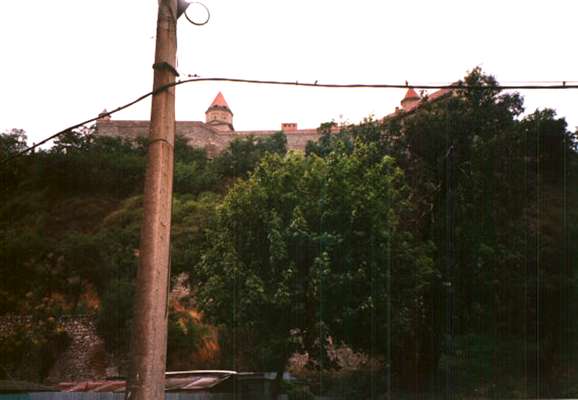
(296, 140)
(201, 135)
(123, 129)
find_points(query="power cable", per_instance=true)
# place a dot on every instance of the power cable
(561, 85)
(459, 85)
(88, 121)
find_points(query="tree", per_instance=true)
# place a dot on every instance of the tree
(330, 141)
(74, 140)
(243, 154)
(490, 187)
(12, 141)
(193, 172)
(309, 247)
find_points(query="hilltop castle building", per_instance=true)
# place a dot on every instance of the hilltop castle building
(218, 130)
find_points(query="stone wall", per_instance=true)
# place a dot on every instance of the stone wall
(200, 135)
(84, 358)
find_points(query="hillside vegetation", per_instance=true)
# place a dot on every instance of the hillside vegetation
(440, 245)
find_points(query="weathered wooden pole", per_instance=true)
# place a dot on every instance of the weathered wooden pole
(146, 380)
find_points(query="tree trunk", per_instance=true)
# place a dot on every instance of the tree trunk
(276, 388)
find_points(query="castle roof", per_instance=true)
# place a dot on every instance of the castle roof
(440, 93)
(219, 101)
(411, 101)
(411, 95)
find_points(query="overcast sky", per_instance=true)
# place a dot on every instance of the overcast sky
(64, 61)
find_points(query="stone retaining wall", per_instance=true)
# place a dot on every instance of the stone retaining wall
(84, 358)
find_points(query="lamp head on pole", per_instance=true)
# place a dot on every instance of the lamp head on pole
(183, 5)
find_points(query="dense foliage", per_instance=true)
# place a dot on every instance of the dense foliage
(309, 245)
(439, 243)
(486, 297)
(69, 230)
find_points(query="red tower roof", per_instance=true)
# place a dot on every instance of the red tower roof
(411, 95)
(219, 101)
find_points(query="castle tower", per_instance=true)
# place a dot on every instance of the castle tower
(410, 100)
(219, 115)
(103, 116)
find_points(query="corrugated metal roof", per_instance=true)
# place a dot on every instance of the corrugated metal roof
(187, 381)
(7, 386)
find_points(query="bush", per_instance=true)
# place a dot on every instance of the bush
(297, 391)
(115, 316)
(30, 351)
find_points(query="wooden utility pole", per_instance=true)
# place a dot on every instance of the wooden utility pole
(146, 379)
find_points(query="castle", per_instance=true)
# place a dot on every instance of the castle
(215, 134)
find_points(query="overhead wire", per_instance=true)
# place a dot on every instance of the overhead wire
(556, 85)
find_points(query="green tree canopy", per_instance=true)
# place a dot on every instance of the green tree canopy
(309, 247)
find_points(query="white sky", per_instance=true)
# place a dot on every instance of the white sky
(63, 61)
